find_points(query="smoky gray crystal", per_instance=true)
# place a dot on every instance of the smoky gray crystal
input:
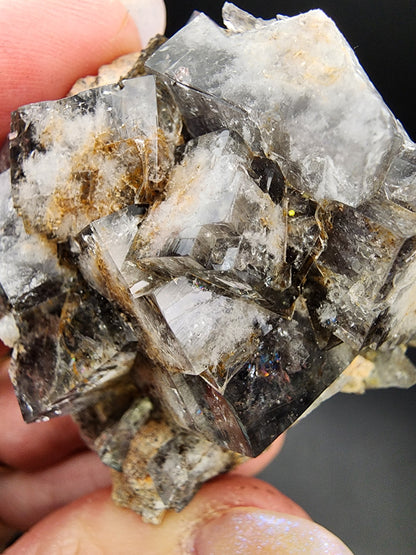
(195, 255)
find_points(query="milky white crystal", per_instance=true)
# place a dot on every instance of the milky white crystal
(29, 265)
(211, 187)
(189, 302)
(196, 315)
(299, 82)
(91, 155)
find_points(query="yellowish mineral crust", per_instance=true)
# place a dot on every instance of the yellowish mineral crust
(203, 243)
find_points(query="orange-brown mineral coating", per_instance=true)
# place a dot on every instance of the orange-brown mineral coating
(104, 177)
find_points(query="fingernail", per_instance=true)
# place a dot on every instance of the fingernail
(246, 531)
(149, 17)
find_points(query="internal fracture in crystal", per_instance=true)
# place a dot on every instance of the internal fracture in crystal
(203, 250)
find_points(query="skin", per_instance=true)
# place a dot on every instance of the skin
(51, 487)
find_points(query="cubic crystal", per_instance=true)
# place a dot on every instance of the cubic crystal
(187, 293)
(313, 107)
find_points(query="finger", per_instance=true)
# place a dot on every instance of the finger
(25, 498)
(45, 46)
(149, 17)
(231, 514)
(32, 446)
(256, 465)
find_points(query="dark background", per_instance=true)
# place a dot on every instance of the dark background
(352, 463)
(382, 33)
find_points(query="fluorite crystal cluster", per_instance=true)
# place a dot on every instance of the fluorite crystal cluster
(196, 251)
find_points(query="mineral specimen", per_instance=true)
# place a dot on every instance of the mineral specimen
(188, 291)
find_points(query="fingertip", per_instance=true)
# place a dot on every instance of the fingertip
(251, 531)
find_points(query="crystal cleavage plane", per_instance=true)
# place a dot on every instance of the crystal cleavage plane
(202, 243)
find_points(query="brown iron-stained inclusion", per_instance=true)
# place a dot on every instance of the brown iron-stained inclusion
(202, 249)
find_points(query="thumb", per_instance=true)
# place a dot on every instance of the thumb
(231, 514)
(45, 46)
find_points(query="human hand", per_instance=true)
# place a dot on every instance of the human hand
(51, 486)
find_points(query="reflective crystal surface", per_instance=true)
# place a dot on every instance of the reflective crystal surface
(308, 99)
(70, 345)
(32, 272)
(187, 292)
(85, 156)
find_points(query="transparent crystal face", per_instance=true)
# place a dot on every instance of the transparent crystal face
(188, 292)
(313, 106)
